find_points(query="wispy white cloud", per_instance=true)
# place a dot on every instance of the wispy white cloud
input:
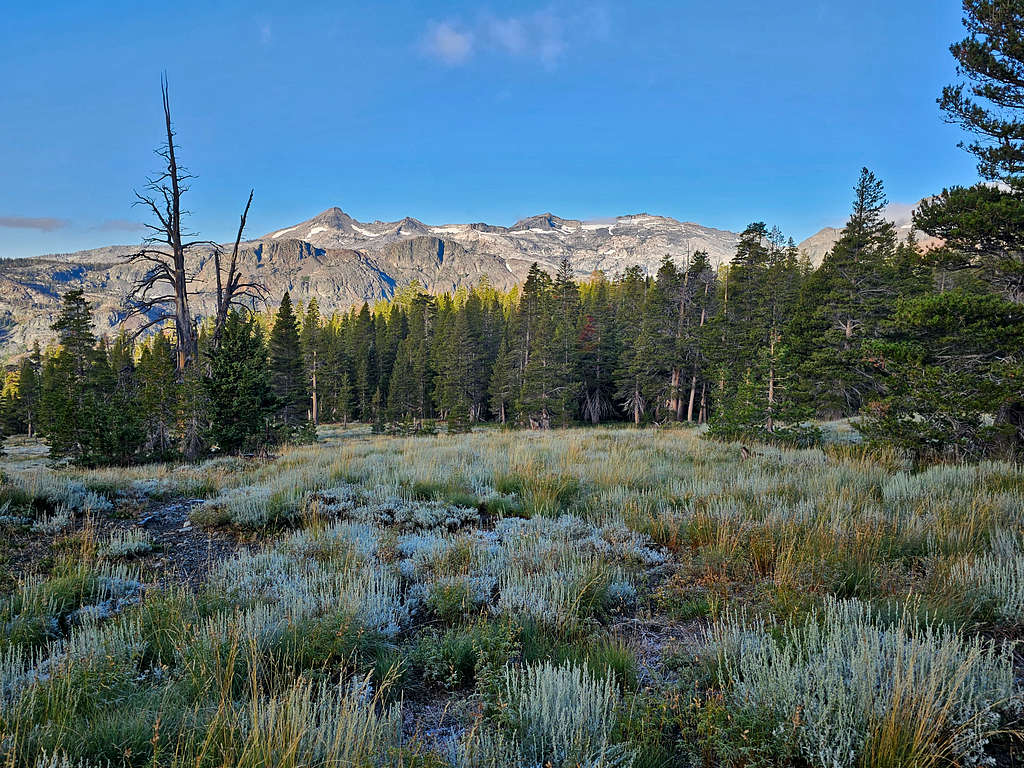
(539, 35)
(543, 36)
(266, 33)
(448, 43)
(120, 225)
(41, 223)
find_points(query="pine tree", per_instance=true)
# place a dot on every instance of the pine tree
(992, 106)
(460, 382)
(566, 303)
(527, 333)
(159, 395)
(409, 395)
(194, 405)
(843, 306)
(26, 402)
(505, 381)
(954, 370)
(124, 435)
(695, 338)
(391, 328)
(241, 400)
(753, 398)
(362, 359)
(538, 399)
(631, 381)
(287, 369)
(598, 352)
(343, 406)
(541, 368)
(311, 342)
(334, 363)
(71, 408)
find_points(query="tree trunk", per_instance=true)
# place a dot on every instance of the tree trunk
(771, 386)
(675, 403)
(315, 404)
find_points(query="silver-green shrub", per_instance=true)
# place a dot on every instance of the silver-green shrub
(563, 716)
(996, 578)
(128, 542)
(842, 674)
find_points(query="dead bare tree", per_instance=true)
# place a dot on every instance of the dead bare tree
(232, 291)
(162, 292)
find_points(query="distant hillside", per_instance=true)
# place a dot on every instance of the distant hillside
(900, 214)
(341, 261)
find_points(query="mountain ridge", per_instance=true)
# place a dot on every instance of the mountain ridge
(341, 261)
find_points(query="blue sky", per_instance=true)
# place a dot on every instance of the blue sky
(717, 112)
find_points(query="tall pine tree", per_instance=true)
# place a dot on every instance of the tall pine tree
(288, 369)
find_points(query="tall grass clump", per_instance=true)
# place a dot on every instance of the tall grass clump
(308, 725)
(859, 689)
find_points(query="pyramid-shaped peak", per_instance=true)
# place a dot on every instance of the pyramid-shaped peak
(546, 221)
(333, 217)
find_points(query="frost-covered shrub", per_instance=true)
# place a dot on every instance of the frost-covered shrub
(54, 491)
(613, 540)
(95, 654)
(428, 556)
(563, 716)
(154, 487)
(421, 553)
(246, 507)
(375, 598)
(129, 542)
(335, 542)
(336, 500)
(299, 588)
(56, 522)
(41, 609)
(116, 589)
(562, 597)
(621, 592)
(450, 597)
(406, 515)
(14, 521)
(853, 685)
(995, 578)
(484, 748)
(384, 509)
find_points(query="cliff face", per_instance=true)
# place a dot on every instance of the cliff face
(341, 262)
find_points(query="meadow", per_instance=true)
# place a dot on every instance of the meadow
(586, 597)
